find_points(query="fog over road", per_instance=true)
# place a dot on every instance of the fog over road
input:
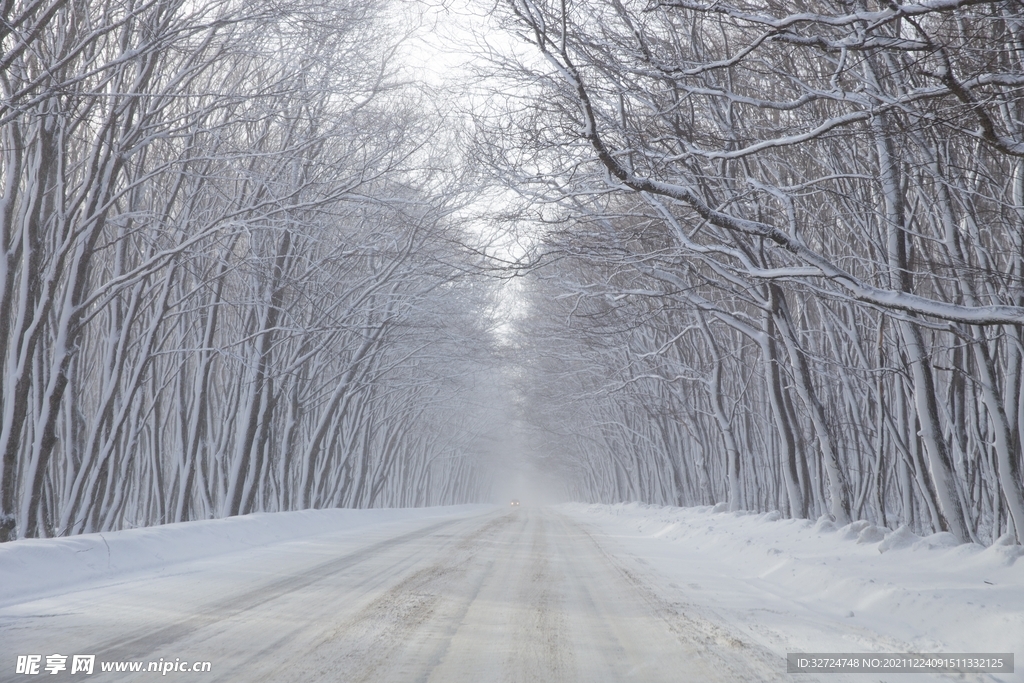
(510, 595)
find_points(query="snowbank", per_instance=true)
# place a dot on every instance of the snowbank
(33, 568)
(801, 586)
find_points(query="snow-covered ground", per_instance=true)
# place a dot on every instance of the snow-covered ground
(587, 593)
(35, 568)
(800, 586)
(457, 595)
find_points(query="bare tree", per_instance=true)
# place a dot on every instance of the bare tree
(816, 174)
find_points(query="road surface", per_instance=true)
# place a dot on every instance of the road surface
(514, 595)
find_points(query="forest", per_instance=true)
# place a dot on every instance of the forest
(760, 255)
(228, 278)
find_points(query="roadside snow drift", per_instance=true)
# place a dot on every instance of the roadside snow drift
(34, 568)
(801, 586)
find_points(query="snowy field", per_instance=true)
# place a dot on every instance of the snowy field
(800, 586)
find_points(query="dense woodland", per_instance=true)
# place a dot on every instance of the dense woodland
(763, 254)
(229, 277)
(782, 257)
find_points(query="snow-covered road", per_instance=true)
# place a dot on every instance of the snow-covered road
(499, 595)
(482, 594)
